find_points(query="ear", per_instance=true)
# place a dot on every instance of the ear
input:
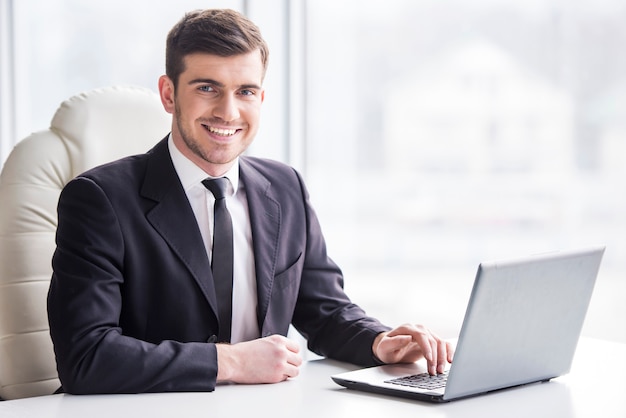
(166, 91)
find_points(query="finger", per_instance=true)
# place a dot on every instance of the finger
(450, 350)
(292, 345)
(433, 361)
(294, 359)
(442, 356)
(423, 339)
(291, 372)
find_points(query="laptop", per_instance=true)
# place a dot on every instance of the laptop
(521, 326)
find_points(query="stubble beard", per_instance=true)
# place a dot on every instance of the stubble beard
(222, 155)
(190, 142)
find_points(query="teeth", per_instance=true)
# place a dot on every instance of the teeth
(224, 132)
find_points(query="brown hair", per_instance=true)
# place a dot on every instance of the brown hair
(215, 31)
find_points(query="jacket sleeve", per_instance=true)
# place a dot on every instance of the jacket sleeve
(333, 325)
(85, 305)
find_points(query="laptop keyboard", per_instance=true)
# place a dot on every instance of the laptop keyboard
(421, 381)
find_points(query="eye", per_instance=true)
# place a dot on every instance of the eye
(247, 92)
(206, 88)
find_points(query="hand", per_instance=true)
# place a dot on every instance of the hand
(265, 360)
(409, 343)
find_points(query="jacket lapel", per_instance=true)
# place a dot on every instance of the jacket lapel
(265, 213)
(162, 186)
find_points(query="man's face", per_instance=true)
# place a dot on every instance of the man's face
(216, 108)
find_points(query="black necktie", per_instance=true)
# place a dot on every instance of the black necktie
(222, 260)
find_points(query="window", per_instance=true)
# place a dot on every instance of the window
(60, 48)
(433, 134)
(442, 133)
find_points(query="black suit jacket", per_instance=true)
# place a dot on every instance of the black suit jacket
(132, 306)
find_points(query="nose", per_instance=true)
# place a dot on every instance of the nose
(226, 108)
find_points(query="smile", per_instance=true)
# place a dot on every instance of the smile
(220, 131)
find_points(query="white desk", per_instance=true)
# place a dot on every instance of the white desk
(596, 386)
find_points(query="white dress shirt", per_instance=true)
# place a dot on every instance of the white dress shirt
(244, 321)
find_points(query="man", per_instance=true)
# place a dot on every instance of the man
(134, 305)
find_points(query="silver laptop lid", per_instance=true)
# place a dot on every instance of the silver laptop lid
(523, 321)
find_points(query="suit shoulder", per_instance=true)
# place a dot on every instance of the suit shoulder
(130, 169)
(122, 170)
(271, 168)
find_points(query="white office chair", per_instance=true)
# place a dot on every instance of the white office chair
(88, 129)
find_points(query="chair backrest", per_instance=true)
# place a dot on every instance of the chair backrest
(87, 130)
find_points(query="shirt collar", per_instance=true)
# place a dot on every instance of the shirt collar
(191, 175)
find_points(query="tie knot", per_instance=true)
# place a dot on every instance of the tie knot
(217, 186)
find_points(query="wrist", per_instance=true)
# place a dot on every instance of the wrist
(225, 361)
(375, 345)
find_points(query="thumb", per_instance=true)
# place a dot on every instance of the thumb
(396, 342)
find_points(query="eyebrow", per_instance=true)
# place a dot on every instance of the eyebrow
(218, 84)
